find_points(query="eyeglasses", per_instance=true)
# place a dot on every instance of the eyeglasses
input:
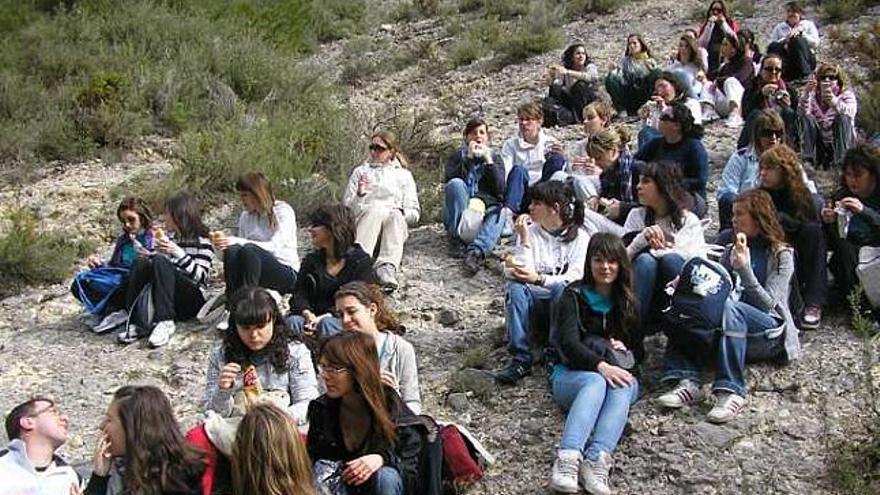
(53, 410)
(828, 77)
(775, 70)
(771, 134)
(377, 148)
(327, 370)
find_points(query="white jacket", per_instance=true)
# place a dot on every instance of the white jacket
(389, 185)
(560, 262)
(688, 241)
(254, 228)
(517, 151)
(18, 476)
(808, 28)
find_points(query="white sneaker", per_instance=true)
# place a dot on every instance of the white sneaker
(734, 121)
(595, 474)
(111, 321)
(129, 334)
(727, 407)
(162, 333)
(564, 477)
(685, 393)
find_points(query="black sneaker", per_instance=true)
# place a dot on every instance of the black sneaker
(473, 262)
(514, 372)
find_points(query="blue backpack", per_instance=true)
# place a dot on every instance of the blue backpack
(94, 288)
(699, 297)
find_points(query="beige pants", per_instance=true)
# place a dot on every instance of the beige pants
(391, 226)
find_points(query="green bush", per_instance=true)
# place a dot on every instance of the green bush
(839, 10)
(538, 33)
(29, 255)
(476, 42)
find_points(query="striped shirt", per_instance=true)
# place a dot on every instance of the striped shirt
(194, 258)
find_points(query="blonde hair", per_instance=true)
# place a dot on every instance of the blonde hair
(602, 109)
(607, 140)
(390, 140)
(269, 456)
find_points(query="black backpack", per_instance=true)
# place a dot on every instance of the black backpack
(699, 296)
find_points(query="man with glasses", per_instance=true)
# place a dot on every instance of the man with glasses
(29, 465)
(795, 39)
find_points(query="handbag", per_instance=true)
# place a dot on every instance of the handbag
(94, 288)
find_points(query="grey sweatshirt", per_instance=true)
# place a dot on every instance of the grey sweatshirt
(18, 476)
(398, 356)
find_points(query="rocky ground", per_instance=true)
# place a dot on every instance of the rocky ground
(798, 419)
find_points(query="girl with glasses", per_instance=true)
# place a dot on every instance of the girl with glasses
(769, 91)
(828, 112)
(382, 195)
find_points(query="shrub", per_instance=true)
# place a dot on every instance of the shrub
(30, 255)
(538, 33)
(839, 10)
(476, 42)
(575, 8)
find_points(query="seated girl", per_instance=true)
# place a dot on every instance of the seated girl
(662, 233)
(630, 81)
(258, 354)
(362, 309)
(828, 109)
(795, 39)
(607, 155)
(549, 254)
(718, 23)
(669, 88)
(573, 85)
(177, 271)
(782, 177)
(852, 217)
(382, 195)
(769, 91)
(360, 425)
(135, 240)
(681, 143)
(687, 62)
(474, 176)
(334, 261)
(723, 97)
(763, 328)
(600, 345)
(269, 456)
(264, 252)
(141, 448)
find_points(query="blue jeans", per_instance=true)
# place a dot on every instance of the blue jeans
(327, 326)
(516, 197)
(689, 350)
(520, 302)
(457, 198)
(386, 481)
(594, 407)
(650, 276)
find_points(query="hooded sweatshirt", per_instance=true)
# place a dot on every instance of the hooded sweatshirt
(388, 186)
(18, 476)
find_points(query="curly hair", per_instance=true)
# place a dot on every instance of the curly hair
(339, 220)
(368, 294)
(667, 176)
(610, 247)
(254, 306)
(571, 211)
(157, 458)
(673, 78)
(568, 55)
(788, 162)
(760, 206)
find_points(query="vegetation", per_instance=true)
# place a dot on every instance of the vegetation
(839, 10)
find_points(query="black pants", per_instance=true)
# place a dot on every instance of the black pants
(175, 296)
(798, 60)
(575, 98)
(249, 265)
(843, 263)
(810, 255)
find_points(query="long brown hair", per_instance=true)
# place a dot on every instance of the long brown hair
(356, 352)
(610, 247)
(694, 48)
(390, 140)
(257, 184)
(767, 120)
(368, 294)
(139, 206)
(269, 456)
(157, 458)
(786, 159)
(760, 207)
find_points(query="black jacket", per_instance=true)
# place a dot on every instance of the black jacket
(314, 288)
(791, 215)
(490, 186)
(406, 456)
(754, 99)
(577, 322)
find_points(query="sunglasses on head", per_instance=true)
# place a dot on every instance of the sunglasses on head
(377, 147)
(772, 133)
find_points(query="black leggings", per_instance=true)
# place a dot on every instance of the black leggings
(175, 296)
(249, 265)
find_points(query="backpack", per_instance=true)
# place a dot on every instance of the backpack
(555, 114)
(141, 314)
(94, 288)
(699, 297)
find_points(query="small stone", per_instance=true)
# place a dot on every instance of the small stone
(458, 401)
(480, 382)
(155, 355)
(448, 317)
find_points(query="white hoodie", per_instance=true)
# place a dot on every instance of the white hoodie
(390, 186)
(560, 262)
(254, 229)
(18, 476)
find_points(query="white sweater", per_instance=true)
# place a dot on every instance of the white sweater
(389, 186)
(808, 28)
(254, 228)
(547, 254)
(517, 151)
(688, 241)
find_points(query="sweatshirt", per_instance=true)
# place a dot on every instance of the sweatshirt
(19, 477)
(388, 186)
(808, 30)
(518, 151)
(560, 262)
(254, 228)
(687, 241)
(194, 258)
(298, 381)
(398, 356)
(842, 103)
(484, 179)
(689, 154)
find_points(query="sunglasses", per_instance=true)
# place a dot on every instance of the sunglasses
(716, 10)
(771, 134)
(775, 70)
(377, 148)
(828, 78)
(667, 117)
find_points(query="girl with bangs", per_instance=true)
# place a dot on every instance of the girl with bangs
(264, 252)
(724, 95)
(781, 176)
(630, 81)
(600, 345)
(361, 425)
(764, 265)
(828, 113)
(260, 340)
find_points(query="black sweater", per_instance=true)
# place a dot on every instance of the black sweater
(576, 320)
(490, 186)
(98, 486)
(315, 287)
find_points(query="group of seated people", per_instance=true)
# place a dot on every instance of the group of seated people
(604, 239)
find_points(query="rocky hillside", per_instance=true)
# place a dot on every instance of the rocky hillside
(799, 418)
